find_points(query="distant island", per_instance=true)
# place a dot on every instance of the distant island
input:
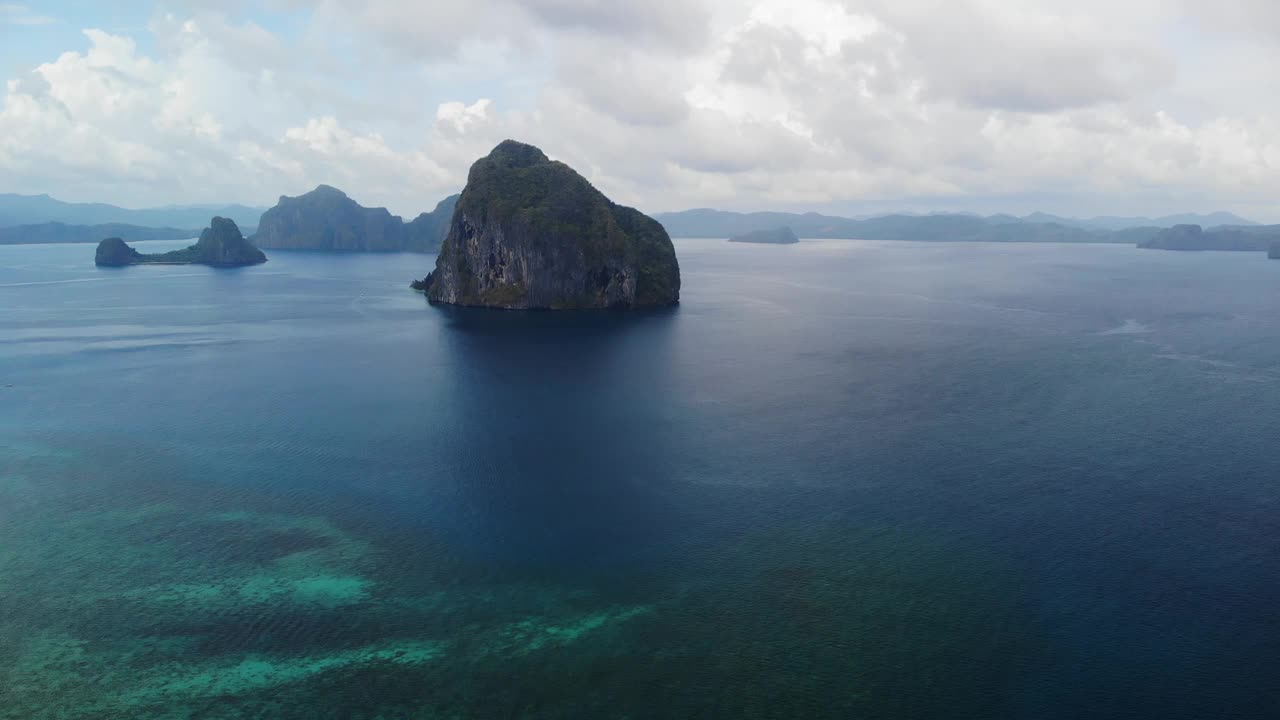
(946, 227)
(326, 219)
(1194, 237)
(531, 233)
(776, 236)
(1111, 222)
(938, 227)
(56, 232)
(220, 245)
(1274, 252)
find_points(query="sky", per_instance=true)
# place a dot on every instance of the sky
(1093, 107)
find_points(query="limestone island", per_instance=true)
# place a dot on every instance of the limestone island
(1274, 251)
(530, 233)
(776, 236)
(1195, 237)
(220, 245)
(326, 219)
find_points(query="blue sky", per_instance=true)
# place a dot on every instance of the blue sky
(34, 33)
(1093, 107)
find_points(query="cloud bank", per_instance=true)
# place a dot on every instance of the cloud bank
(853, 105)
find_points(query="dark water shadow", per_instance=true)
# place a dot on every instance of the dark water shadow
(562, 435)
(539, 322)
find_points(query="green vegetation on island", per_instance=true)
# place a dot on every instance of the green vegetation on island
(531, 233)
(221, 245)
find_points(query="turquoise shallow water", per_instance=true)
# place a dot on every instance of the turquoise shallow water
(842, 479)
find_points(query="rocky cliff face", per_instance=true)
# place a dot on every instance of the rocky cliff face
(530, 233)
(777, 236)
(326, 219)
(221, 244)
(113, 252)
(426, 233)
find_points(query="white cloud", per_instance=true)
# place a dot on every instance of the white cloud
(1034, 56)
(825, 104)
(460, 117)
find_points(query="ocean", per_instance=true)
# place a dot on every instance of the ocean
(841, 479)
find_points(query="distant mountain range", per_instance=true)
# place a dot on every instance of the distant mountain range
(1122, 223)
(323, 219)
(950, 227)
(326, 219)
(39, 209)
(55, 232)
(956, 227)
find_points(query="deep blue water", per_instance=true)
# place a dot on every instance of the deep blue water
(842, 479)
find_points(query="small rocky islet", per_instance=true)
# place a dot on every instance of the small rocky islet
(531, 233)
(220, 245)
(775, 236)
